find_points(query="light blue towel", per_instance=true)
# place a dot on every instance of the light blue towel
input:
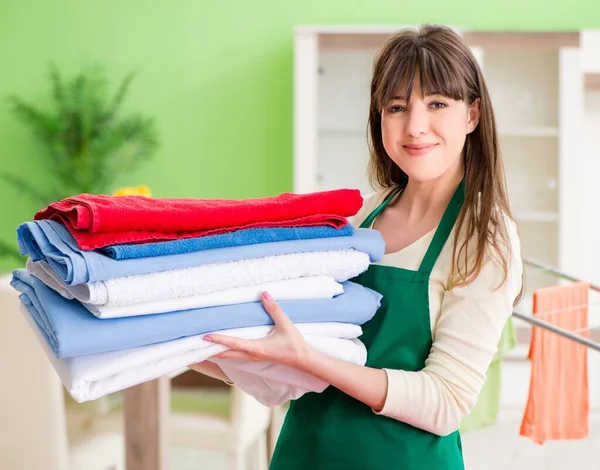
(249, 236)
(71, 330)
(51, 241)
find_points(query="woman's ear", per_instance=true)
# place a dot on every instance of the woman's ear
(473, 115)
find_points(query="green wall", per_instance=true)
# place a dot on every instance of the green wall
(217, 75)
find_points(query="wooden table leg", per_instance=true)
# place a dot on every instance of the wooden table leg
(146, 410)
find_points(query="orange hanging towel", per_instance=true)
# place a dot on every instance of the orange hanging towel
(558, 403)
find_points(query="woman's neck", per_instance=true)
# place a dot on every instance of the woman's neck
(422, 199)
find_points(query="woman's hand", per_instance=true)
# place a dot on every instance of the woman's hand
(284, 344)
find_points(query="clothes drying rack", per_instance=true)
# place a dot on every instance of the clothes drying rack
(543, 324)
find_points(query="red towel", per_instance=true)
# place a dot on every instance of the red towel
(96, 221)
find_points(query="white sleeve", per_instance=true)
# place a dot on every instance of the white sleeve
(466, 337)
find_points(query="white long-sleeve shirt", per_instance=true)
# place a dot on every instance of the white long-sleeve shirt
(466, 326)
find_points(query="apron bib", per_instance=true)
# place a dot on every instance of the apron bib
(331, 430)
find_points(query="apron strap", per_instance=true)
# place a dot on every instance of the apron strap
(444, 228)
(371, 217)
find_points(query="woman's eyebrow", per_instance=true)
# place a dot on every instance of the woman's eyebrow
(432, 93)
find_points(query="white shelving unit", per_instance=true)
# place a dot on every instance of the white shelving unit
(590, 61)
(537, 82)
(529, 86)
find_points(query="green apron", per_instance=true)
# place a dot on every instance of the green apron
(331, 430)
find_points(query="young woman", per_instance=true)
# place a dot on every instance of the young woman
(450, 276)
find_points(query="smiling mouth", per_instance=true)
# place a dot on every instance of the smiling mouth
(417, 150)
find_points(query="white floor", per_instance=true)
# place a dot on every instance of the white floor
(500, 447)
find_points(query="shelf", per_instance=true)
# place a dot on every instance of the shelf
(537, 216)
(530, 132)
(522, 39)
(353, 37)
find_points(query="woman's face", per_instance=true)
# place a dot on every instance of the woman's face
(426, 135)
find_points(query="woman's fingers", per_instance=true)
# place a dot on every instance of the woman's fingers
(234, 354)
(274, 310)
(231, 342)
(250, 346)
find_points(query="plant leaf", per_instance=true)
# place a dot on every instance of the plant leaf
(23, 186)
(58, 89)
(119, 97)
(43, 125)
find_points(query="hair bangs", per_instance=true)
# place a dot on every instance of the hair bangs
(437, 75)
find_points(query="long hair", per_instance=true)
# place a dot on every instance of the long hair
(446, 66)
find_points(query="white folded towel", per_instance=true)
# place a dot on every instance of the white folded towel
(130, 290)
(314, 287)
(93, 376)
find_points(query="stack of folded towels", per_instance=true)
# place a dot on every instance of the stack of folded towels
(121, 290)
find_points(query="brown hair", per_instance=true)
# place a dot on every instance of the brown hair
(446, 66)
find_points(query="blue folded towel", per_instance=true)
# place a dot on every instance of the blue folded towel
(50, 241)
(73, 331)
(249, 236)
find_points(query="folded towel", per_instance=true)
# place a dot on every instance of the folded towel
(179, 283)
(245, 237)
(314, 287)
(96, 221)
(92, 376)
(71, 330)
(51, 241)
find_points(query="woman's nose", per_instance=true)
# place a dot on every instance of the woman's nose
(417, 122)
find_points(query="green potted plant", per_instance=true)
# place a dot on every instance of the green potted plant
(86, 138)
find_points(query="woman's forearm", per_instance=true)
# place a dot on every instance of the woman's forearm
(366, 384)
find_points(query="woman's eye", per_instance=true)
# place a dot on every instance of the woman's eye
(438, 105)
(395, 109)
